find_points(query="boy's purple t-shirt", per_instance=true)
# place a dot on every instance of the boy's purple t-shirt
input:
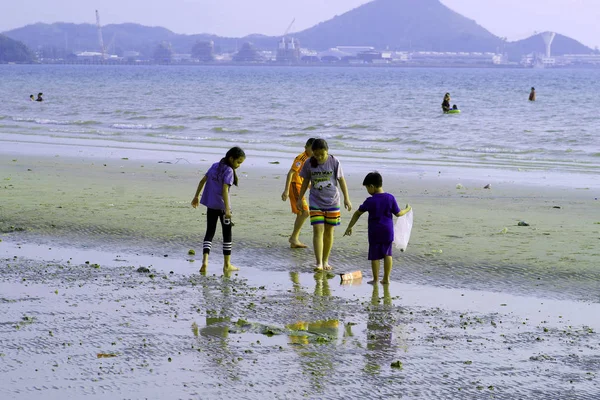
(381, 207)
(324, 179)
(218, 175)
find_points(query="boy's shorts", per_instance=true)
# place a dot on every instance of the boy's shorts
(378, 251)
(328, 216)
(293, 194)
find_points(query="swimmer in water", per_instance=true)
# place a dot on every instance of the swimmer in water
(532, 94)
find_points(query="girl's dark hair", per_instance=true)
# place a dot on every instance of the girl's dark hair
(309, 142)
(318, 144)
(235, 153)
(373, 178)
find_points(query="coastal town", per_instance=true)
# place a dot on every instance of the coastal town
(290, 52)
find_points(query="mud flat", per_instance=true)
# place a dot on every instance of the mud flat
(88, 324)
(480, 307)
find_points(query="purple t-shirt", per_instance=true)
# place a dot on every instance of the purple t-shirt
(324, 180)
(381, 207)
(218, 175)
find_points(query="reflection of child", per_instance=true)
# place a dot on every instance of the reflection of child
(323, 172)
(380, 206)
(215, 197)
(293, 183)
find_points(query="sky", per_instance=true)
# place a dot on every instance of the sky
(513, 19)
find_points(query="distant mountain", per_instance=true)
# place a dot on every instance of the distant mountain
(14, 51)
(68, 38)
(561, 45)
(425, 25)
(417, 25)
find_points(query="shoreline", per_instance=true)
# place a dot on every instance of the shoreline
(483, 172)
(488, 65)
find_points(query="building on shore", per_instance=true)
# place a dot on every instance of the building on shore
(248, 54)
(580, 59)
(456, 58)
(288, 51)
(204, 51)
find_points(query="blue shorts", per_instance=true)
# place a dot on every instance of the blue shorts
(377, 251)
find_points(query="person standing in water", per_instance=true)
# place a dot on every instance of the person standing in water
(31, 98)
(532, 94)
(39, 98)
(293, 184)
(446, 103)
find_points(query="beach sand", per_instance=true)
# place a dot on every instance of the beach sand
(124, 201)
(478, 306)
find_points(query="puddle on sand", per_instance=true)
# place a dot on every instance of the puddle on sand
(103, 330)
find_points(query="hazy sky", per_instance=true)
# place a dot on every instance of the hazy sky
(514, 19)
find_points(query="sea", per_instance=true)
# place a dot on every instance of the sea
(82, 321)
(384, 115)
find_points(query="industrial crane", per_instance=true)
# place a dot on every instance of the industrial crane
(283, 44)
(289, 27)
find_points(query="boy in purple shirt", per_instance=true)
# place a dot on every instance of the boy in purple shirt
(380, 206)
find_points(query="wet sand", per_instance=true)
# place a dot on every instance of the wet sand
(87, 324)
(479, 307)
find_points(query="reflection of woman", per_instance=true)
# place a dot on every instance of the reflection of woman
(446, 103)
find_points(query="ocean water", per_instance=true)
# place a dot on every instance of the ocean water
(385, 113)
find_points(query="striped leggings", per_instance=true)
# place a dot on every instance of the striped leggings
(212, 215)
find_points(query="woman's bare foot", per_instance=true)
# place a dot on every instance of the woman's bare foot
(327, 267)
(203, 269)
(230, 267)
(373, 282)
(385, 282)
(319, 268)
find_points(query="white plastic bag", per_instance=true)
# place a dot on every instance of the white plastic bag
(402, 229)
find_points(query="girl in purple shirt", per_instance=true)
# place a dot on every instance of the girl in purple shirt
(381, 207)
(216, 184)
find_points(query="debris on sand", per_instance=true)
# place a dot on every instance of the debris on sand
(397, 364)
(105, 355)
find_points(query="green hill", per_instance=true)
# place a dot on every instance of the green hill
(14, 51)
